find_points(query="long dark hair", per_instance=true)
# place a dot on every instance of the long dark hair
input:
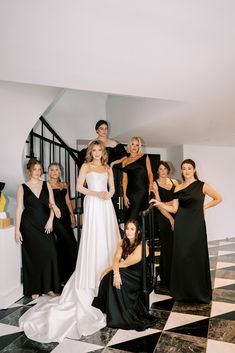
(127, 247)
(165, 164)
(190, 161)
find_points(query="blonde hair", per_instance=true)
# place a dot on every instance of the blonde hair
(89, 157)
(59, 168)
(135, 138)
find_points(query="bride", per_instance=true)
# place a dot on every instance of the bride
(71, 315)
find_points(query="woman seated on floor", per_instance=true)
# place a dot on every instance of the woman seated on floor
(119, 293)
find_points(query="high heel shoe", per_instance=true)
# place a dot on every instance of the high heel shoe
(35, 296)
(52, 294)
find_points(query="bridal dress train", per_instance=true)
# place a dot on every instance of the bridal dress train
(71, 315)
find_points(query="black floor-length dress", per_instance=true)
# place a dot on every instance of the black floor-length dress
(165, 236)
(190, 275)
(66, 243)
(137, 187)
(39, 257)
(123, 307)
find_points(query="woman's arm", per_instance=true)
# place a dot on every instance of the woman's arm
(150, 174)
(118, 161)
(54, 210)
(52, 204)
(69, 205)
(111, 182)
(162, 205)
(216, 198)
(124, 188)
(117, 281)
(134, 257)
(19, 210)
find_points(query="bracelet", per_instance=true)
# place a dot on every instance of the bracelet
(116, 273)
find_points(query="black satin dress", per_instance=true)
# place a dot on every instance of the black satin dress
(66, 243)
(137, 187)
(190, 276)
(124, 307)
(165, 236)
(39, 256)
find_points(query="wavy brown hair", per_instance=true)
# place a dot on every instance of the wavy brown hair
(127, 247)
(31, 164)
(165, 164)
(104, 158)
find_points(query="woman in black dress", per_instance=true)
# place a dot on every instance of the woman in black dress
(190, 275)
(34, 224)
(137, 179)
(164, 188)
(66, 243)
(119, 293)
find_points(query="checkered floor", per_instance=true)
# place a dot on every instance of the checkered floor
(181, 328)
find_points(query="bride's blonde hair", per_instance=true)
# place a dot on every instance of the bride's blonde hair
(89, 157)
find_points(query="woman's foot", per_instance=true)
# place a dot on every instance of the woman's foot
(52, 294)
(35, 296)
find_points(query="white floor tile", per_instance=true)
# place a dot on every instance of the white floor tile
(73, 346)
(157, 298)
(219, 347)
(127, 335)
(223, 252)
(221, 282)
(8, 329)
(224, 264)
(218, 308)
(179, 319)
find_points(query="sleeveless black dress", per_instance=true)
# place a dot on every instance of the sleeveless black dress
(39, 257)
(66, 243)
(137, 187)
(165, 236)
(124, 307)
(190, 276)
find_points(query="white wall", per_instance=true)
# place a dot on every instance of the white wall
(20, 107)
(75, 115)
(216, 166)
(175, 157)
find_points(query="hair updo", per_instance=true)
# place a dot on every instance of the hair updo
(99, 123)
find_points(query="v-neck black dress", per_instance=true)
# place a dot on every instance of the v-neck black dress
(39, 256)
(190, 275)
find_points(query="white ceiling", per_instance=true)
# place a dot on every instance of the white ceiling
(178, 53)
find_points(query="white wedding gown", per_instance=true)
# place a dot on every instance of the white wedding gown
(71, 315)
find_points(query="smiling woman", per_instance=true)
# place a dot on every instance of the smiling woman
(33, 230)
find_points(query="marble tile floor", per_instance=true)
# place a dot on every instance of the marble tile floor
(181, 328)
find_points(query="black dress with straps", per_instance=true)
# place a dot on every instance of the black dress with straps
(124, 307)
(137, 187)
(66, 243)
(190, 276)
(165, 235)
(39, 257)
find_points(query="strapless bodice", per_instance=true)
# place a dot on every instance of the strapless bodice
(97, 181)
